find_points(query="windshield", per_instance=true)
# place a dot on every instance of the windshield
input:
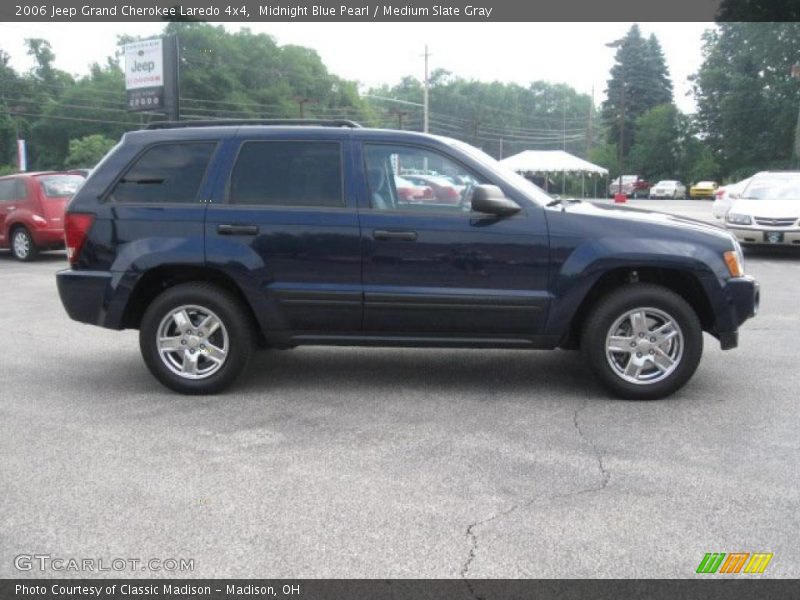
(705, 184)
(777, 187)
(666, 184)
(524, 185)
(59, 186)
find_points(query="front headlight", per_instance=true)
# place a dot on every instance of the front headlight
(738, 219)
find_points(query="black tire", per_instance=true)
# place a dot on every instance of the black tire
(236, 334)
(22, 245)
(605, 315)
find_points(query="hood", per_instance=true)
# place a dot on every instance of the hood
(767, 208)
(645, 216)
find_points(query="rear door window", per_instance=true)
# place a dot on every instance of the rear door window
(165, 173)
(22, 190)
(290, 174)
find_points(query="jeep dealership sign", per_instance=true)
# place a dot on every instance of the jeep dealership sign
(144, 74)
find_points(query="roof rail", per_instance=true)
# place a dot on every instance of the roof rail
(240, 122)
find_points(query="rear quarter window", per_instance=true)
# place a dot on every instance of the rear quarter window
(60, 186)
(165, 173)
(9, 189)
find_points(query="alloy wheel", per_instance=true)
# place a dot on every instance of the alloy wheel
(22, 244)
(644, 346)
(192, 342)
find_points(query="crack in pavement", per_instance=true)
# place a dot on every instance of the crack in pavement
(605, 476)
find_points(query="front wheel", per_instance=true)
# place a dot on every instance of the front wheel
(643, 342)
(196, 338)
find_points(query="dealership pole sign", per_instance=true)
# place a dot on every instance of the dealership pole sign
(144, 75)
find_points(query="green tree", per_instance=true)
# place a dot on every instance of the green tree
(8, 97)
(654, 154)
(248, 75)
(747, 101)
(606, 155)
(759, 10)
(501, 118)
(94, 104)
(639, 82)
(87, 151)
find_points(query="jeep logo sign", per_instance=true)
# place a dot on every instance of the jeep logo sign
(144, 64)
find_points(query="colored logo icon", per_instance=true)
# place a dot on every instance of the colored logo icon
(734, 562)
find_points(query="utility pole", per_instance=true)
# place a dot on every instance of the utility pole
(301, 105)
(425, 106)
(621, 149)
(622, 132)
(475, 125)
(589, 126)
(501, 149)
(400, 115)
(796, 75)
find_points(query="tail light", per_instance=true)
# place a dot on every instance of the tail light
(76, 227)
(451, 192)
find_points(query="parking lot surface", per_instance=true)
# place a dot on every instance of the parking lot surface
(363, 462)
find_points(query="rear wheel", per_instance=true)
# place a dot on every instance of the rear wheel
(196, 338)
(643, 342)
(22, 246)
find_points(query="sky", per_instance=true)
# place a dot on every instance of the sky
(377, 53)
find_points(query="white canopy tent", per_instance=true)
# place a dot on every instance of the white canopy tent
(530, 162)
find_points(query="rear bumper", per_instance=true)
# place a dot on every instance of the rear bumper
(48, 238)
(85, 295)
(742, 297)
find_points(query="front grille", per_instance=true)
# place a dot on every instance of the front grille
(775, 222)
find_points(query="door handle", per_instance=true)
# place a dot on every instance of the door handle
(231, 229)
(402, 236)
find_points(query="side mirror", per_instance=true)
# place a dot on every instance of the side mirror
(491, 199)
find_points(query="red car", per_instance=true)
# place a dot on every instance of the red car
(411, 192)
(444, 191)
(32, 211)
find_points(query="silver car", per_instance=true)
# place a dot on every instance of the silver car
(768, 210)
(668, 188)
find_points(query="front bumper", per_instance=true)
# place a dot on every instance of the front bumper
(742, 296)
(756, 235)
(702, 193)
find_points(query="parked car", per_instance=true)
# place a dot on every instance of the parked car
(703, 189)
(32, 211)
(633, 186)
(668, 188)
(443, 190)
(213, 240)
(725, 195)
(768, 210)
(411, 192)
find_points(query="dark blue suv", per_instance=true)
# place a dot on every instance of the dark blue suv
(214, 240)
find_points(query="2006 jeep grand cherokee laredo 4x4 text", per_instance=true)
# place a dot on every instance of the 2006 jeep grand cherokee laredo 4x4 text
(215, 239)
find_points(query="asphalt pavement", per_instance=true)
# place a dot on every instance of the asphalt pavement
(363, 462)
